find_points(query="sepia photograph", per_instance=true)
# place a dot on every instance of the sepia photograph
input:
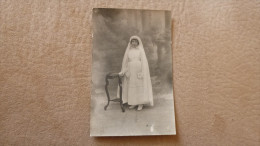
(132, 76)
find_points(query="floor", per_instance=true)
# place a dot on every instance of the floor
(156, 120)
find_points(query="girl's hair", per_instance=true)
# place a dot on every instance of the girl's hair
(134, 39)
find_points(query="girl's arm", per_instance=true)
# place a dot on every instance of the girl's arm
(124, 70)
(140, 75)
(141, 61)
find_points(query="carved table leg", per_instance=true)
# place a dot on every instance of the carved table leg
(121, 101)
(108, 97)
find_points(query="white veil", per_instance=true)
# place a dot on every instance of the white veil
(148, 93)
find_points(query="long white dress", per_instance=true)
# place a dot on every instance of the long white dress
(135, 93)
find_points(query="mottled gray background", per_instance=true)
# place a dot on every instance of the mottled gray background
(112, 30)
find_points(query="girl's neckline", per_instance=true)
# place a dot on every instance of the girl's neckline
(135, 48)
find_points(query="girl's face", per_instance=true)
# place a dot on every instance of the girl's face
(134, 43)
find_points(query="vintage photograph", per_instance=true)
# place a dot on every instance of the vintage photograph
(132, 79)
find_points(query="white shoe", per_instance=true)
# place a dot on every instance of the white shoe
(132, 106)
(140, 107)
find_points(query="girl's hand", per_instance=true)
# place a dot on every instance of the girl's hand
(140, 75)
(121, 74)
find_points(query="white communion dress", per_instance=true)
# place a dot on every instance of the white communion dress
(134, 78)
(136, 82)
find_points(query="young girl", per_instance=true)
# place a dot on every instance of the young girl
(136, 82)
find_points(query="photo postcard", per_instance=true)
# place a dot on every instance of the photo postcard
(132, 76)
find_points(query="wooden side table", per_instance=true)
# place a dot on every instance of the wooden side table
(113, 76)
